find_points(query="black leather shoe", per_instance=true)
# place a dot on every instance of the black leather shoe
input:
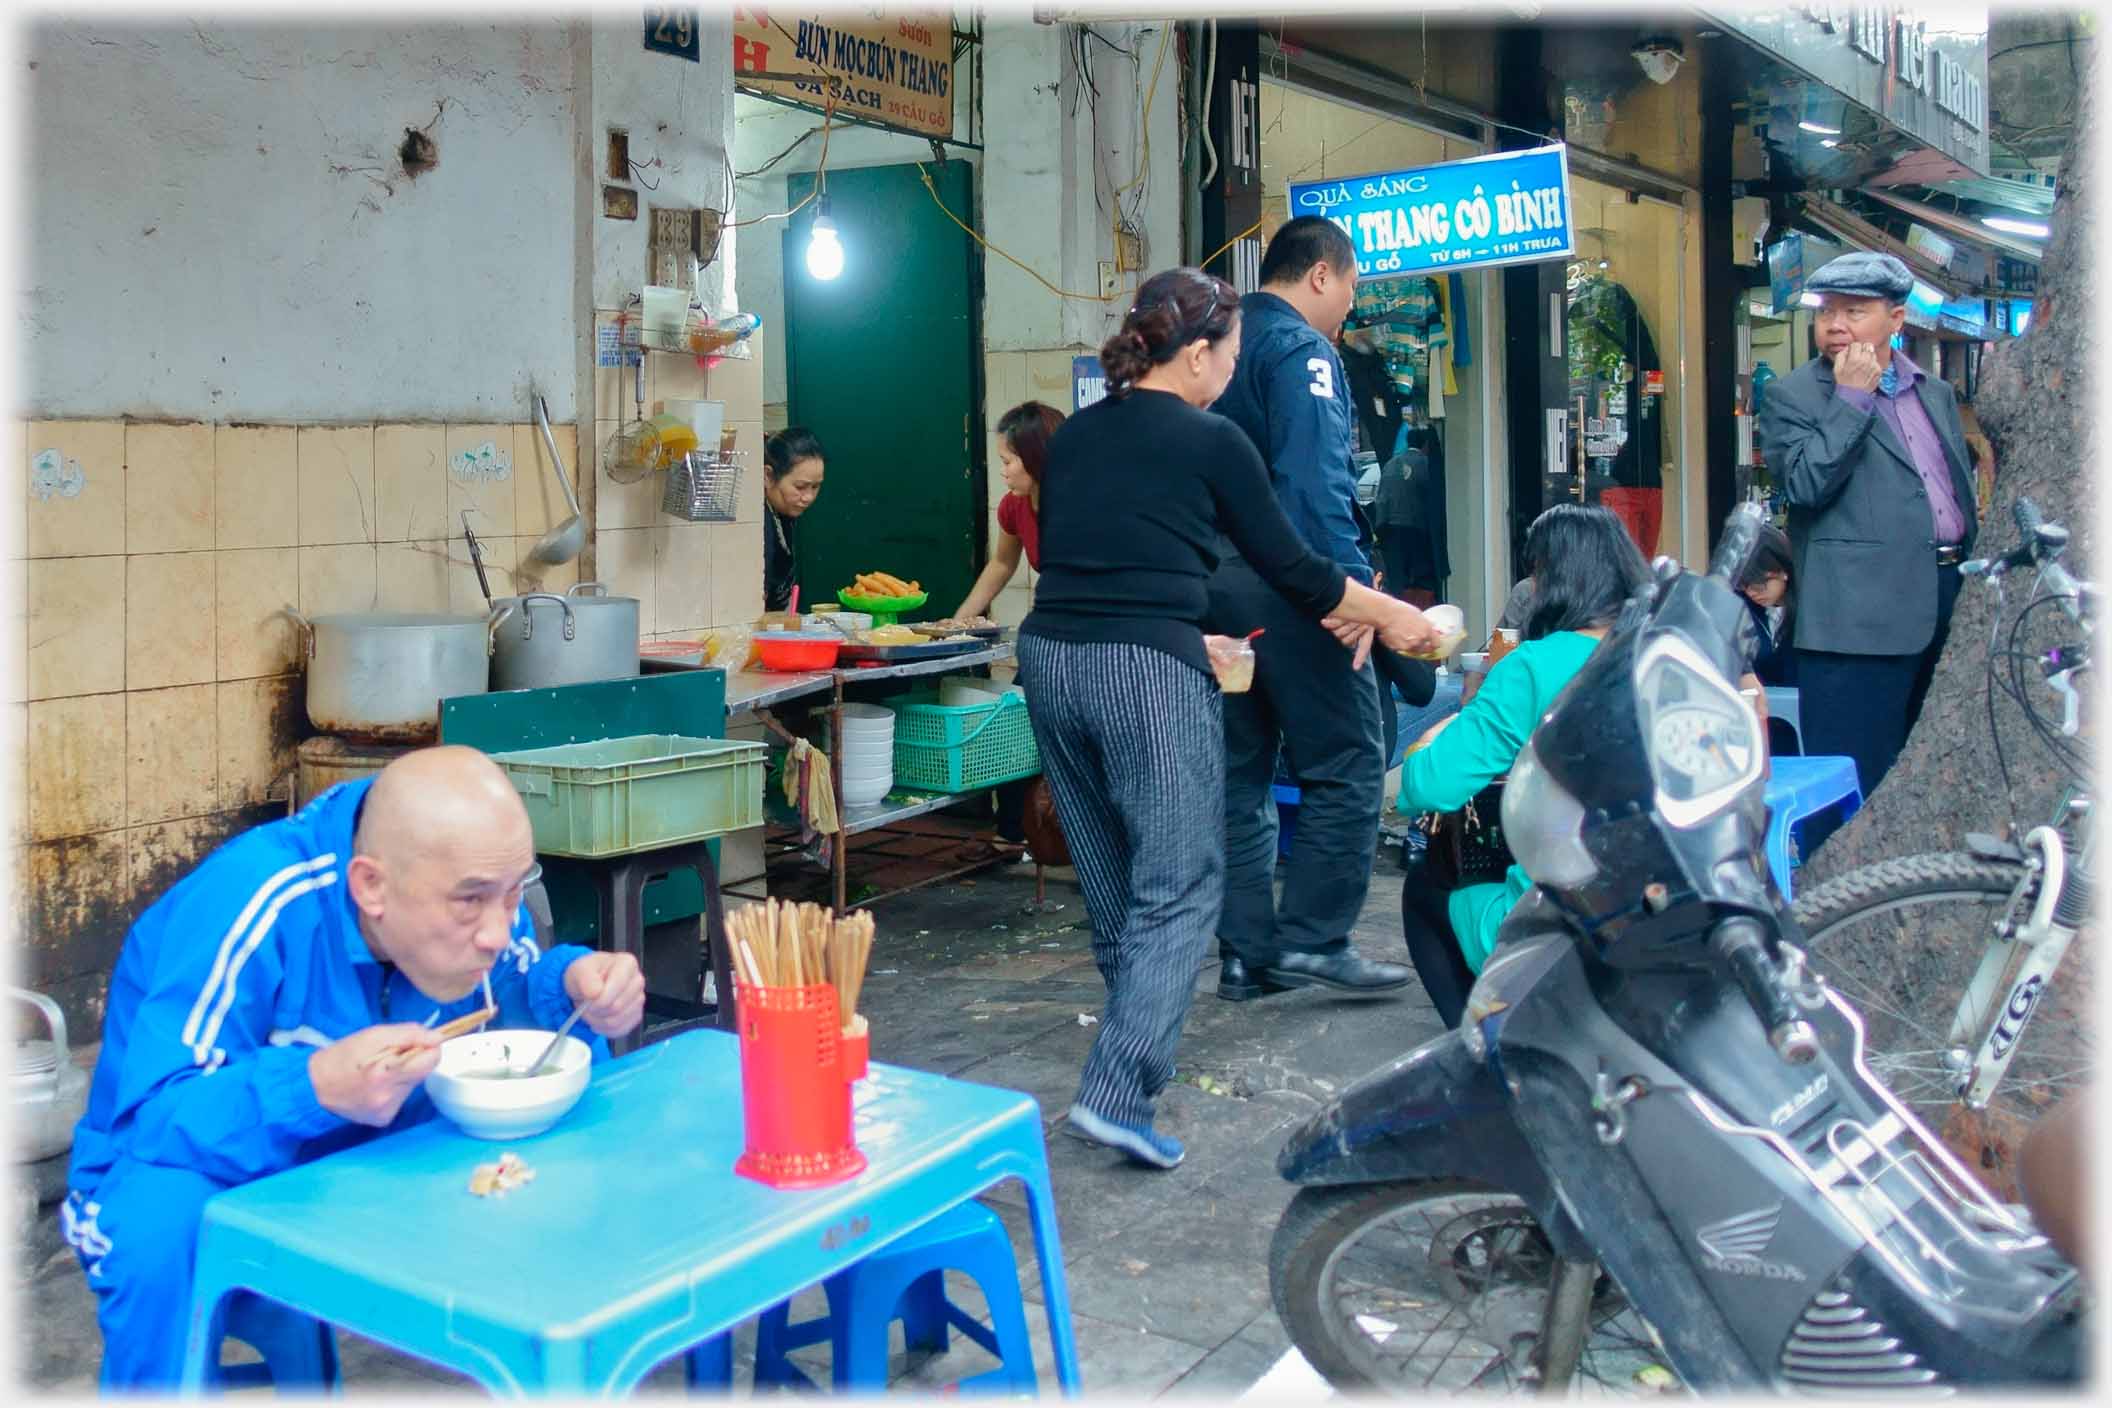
(1346, 971)
(1236, 982)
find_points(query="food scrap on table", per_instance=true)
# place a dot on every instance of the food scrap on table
(502, 1177)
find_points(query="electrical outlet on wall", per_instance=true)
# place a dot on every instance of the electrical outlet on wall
(671, 250)
(1129, 249)
(1107, 278)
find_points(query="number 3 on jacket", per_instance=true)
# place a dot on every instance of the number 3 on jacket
(1323, 377)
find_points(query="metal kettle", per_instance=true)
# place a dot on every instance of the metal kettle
(48, 1091)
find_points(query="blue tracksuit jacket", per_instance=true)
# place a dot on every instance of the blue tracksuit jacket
(1291, 396)
(226, 986)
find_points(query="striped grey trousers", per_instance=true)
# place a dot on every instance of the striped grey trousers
(1132, 742)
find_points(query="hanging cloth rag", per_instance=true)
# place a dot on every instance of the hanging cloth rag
(1446, 319)
(1455, 317)
(807, 789)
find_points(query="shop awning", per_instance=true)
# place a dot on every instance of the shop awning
(1941, 306)
(1857, 233)
(1959, 227)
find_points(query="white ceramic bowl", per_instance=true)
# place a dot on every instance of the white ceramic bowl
(864, 794)
(855, 714)
(507, 1109)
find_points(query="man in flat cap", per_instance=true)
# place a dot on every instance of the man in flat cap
(1869, 451)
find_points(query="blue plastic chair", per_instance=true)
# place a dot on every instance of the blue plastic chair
(906, 1280)
(299, 1352)
(1798, 789)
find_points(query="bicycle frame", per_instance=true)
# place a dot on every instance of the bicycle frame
(2020, 963)
(2022, 958)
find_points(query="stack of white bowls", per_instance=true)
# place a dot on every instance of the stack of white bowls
(868, 750)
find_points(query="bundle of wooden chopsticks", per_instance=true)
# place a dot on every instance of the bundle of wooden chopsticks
(781, 944)
(461, 1026)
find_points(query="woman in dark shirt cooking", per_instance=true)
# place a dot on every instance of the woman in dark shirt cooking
(792, 473)
(1125, 707)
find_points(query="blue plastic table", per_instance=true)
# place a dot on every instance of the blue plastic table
(635, 1241)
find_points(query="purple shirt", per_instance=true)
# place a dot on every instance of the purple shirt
(1909, 419)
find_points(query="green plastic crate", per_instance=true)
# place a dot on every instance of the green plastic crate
(618, 795)
(943, 748)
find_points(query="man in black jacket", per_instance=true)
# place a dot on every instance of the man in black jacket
(1309, 701)
(1869, 451)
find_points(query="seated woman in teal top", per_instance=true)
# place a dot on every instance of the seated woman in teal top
(1585, 566)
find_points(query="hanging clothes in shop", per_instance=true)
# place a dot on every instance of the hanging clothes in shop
(1403, 320)
(1376, 397)
(1409, 518)
(1611, 357)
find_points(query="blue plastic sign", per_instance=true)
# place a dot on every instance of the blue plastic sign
(1088, 382)
(1506, 208)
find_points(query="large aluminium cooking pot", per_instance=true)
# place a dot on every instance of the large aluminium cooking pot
(49, 1092)
(379, 676)
(583, 635)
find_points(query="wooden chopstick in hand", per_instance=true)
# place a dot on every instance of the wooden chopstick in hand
(461, 1026)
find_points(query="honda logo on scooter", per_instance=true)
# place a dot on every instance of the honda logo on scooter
(1733, 1246)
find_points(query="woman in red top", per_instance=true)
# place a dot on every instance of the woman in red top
(1022, 448)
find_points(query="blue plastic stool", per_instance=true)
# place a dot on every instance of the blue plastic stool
(710, 1364)
(907, 1280)
(1286, 797)
(1800, 788)
(300, 1352)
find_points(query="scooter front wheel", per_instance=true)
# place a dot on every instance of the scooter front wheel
(1443, 1285)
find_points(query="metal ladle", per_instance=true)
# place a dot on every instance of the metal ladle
(562, 543)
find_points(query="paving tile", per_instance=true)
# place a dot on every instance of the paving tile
(1180, 1274)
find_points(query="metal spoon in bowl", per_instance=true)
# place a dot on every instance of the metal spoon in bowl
(555, 1042)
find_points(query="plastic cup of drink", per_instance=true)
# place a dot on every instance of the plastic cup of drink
(1233, 663)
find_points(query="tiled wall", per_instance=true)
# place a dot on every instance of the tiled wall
(160, 695)
(157, 697)
(686, 576)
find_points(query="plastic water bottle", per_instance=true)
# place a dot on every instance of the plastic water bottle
(706, 338)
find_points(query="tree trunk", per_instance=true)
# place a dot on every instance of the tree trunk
(2035, 403)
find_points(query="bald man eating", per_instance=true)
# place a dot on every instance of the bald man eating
(247, 1000)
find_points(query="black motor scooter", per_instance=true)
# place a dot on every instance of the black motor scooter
(1653, 1146)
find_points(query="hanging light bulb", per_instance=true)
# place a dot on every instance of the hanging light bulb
(824, 250)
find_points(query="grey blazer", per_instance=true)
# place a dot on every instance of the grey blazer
(1860, 525)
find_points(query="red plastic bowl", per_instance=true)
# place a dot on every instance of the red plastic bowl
(787, 650)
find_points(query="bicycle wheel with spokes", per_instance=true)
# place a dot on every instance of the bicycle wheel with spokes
(1439, 1286)
(1902, 939)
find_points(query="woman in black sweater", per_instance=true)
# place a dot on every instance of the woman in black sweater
(1137, 491)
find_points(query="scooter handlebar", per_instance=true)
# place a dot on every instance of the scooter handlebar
(1742, 945)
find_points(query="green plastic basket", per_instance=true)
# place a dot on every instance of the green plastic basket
(944, 748)
(618, 795)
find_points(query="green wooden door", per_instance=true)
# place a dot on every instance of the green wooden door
(880, 363)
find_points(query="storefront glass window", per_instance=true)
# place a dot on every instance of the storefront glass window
(1624, 335)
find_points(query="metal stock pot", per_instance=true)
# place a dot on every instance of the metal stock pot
(49, 1092)
(379, 676)
(583, 635)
